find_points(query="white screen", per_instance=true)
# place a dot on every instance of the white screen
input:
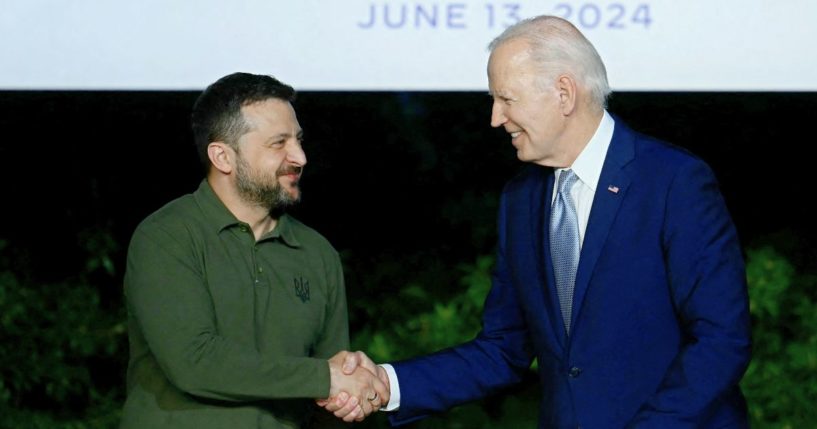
(647, 45)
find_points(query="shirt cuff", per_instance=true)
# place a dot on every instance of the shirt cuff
(394, 389)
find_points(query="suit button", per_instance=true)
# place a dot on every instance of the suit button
(574, 372)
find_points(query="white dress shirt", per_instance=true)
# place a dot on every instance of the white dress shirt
(587, 168)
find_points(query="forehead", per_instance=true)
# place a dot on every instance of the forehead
(510, 63)
(271, 112)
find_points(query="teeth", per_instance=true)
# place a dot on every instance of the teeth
(515, 134)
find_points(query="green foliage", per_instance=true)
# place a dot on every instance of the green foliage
(444, 324)
(61, 346)
(781, 381)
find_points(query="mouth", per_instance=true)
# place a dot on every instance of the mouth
(514, 137)
(293, 178)
(293, 173)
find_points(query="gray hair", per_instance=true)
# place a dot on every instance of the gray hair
(558, 47)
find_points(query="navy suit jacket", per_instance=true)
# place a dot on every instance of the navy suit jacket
(660, 331)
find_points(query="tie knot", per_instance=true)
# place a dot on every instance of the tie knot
(566, 180)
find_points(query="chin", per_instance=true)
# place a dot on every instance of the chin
(523, 156)
(294, 195)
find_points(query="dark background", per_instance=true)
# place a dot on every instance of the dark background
(384, 168)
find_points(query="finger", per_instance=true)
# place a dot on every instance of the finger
(382, 400)
(348, 410)
(360, 417)
(367, 407)
(357, 413)
(322, 402)
(336, 403)
(382, 390)
(365, 362)
(350, 363)
(377, 403)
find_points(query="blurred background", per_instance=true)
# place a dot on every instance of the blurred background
(405, 185)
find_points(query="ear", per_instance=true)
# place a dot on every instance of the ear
(568, 94)
(221, 156)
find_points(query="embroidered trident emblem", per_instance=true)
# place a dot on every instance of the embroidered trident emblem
(302, 288)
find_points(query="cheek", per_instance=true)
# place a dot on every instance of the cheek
(273, 162)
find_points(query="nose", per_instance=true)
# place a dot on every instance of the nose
(498, 114)
(296, 154)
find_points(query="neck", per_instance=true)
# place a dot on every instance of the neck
(256, 216)
(580, 130)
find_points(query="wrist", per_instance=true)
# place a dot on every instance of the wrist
(383, 376)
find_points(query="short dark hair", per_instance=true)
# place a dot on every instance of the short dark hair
(217, 112)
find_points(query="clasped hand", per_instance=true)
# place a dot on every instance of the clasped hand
(357, 388)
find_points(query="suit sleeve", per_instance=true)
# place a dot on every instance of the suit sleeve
(496, 358)
(708, 285)
(168, 299)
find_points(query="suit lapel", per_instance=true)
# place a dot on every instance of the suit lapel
(610, 192)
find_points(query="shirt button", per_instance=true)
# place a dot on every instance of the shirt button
(260, 270)
(574, 372)
(243, 228)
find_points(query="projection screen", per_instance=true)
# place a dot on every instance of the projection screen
(364, 45)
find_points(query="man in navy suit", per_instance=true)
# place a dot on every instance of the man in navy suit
(618, 267)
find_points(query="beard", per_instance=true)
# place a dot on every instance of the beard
(263, 188)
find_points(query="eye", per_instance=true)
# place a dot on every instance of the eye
(503, 99)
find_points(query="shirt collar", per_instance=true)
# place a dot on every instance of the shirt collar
(590, 161)
(284, 229)
(223, 218)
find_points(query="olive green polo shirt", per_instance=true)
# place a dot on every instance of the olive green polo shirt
(226, 331)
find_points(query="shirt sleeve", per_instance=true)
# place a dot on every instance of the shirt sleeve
(335, 334)
(173, 312)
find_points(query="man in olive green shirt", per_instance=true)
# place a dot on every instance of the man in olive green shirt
(237, 311)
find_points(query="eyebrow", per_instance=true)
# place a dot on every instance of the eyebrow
(299, 135)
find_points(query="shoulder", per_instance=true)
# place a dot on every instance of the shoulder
(653, 157)
(173, 213)
(173, 221)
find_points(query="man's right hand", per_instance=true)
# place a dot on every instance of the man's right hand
(358, 386)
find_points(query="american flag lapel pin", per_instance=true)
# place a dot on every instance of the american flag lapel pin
(613, 189)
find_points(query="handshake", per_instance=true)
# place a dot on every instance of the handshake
(357, 388)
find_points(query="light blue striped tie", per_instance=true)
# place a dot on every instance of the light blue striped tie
(564, 243)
